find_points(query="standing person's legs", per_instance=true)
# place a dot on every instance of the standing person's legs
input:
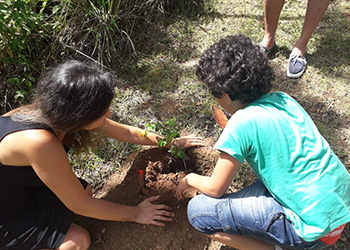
(297, 58)
(314, 12)
(272, 14)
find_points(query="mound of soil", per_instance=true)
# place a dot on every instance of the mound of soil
(147, 173)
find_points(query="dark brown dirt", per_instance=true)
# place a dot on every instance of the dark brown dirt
(161, 176)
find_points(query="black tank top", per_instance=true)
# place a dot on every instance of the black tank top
(31, 215)
(16, 183)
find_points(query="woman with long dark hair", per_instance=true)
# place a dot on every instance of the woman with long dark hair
(39, 192)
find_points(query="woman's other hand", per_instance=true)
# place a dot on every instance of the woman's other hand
(188, 141)
(154, 214)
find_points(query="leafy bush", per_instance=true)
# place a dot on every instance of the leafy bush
(107, 30)
(38, 33)
(24, 35)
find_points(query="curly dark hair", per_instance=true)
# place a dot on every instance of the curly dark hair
(235, 66)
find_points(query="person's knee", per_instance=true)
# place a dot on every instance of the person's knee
(202, 214)
(194, 207)
(191, 207)
(77, 238)
(84, 239)
(198, 204)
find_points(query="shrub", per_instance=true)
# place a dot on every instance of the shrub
(107, 30)
(38, 33)
(24, 35)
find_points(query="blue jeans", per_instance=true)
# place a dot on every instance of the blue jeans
(251, 212)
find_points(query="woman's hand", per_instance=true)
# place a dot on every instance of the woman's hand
(154, 214)
(181, 187)
(188, 141)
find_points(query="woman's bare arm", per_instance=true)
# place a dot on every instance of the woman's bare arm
(46, 155)
(136, 135)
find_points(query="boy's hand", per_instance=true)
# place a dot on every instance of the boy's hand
(183, 185)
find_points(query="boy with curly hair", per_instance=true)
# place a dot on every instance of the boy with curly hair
(302, 197)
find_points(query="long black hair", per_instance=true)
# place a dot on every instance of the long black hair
(73, 94)
(69, 97)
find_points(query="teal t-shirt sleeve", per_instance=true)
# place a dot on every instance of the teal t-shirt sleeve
(234, 139)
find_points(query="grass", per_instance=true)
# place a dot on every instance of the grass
(159, 84)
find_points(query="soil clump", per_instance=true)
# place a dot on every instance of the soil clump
(161, 173)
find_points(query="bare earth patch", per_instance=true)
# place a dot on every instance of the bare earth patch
(161, 176)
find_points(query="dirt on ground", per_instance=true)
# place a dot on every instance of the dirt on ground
(151, 172)
(161, 174)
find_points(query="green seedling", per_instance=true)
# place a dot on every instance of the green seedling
(169, 131)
